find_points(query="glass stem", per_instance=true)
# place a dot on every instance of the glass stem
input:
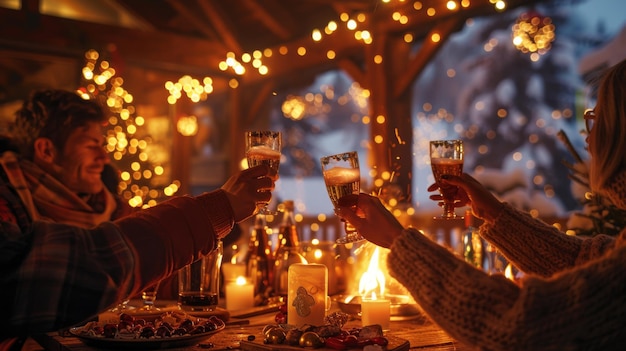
(448, 209)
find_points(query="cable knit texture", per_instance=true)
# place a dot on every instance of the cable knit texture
(572, 297)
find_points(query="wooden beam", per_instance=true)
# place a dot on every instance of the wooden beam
(236, 148)
(30, 5)
(314, 61)
(354, 71)
(71, 38)
(419, 21)
(260, 100)
(193, 19)
(166, 51)
(220, 21)
(270, 13)
(426, 52)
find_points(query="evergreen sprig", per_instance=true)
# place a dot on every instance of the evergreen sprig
(605, 217)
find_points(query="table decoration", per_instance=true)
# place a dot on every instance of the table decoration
(239, 295)
(376, 311)
(307, 294)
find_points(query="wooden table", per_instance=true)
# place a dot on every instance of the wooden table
(420, 333)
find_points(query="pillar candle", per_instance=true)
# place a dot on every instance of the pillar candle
(233, 270)
(239, 295)
(376, 311)
(307, 297)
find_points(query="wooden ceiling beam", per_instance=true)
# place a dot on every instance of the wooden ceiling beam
(354, 71)
(426, 52)
(66, 37)
(219, 19)
(314, 61)
(265, 92)
(274, 17)
(193, 19)
(168, 51)
(137, 16)
(345, 45)
(420, 21)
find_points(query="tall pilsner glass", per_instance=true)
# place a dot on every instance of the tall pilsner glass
(446, 157)
(342, 177)
(264, 147)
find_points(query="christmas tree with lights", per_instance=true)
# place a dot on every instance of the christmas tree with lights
(141, 179)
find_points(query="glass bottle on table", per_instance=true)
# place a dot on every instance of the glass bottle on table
(288, 251)
(260, 259)
(473, 244)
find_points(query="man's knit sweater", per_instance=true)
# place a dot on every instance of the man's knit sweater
(573, 296)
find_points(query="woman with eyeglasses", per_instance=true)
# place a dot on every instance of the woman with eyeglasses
(573, 293)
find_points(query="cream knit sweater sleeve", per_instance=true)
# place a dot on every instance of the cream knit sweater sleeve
(538, 248)
(580, 308)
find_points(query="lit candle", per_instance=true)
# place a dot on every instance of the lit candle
(375, 311)
(307, 297)
(233, 270)
(239, 295)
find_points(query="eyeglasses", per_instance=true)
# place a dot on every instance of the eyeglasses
(590, 117)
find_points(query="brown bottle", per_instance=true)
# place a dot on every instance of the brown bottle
(288, 251)
(260, 260)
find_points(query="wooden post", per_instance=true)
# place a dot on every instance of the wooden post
(181, 157)
(391, 125)
(236, 144)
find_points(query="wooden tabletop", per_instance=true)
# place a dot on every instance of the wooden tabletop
(420, 333)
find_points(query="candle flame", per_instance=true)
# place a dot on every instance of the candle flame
(241, 280)
(373, 279)
(317, 253)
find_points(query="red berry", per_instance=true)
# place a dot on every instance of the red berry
(163, 331)
(127, 318)
(281, 318)
(110, 330)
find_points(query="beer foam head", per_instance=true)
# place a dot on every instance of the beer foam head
(445, 161)
(263, 150)
(342, 175)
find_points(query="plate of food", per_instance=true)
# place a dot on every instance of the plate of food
(171, 329)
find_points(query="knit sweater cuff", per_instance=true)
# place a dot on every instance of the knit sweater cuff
(220, 213)
(529, 243)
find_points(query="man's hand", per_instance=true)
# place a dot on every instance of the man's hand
(370, 218)
(248, 187)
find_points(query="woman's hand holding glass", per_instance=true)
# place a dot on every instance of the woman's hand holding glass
(471, 193)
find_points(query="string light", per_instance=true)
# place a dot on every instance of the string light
(351, 23)
(141, 176)
(195, 90)
(533, 33)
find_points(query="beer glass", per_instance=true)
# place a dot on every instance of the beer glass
(342, 177)
(263, 147)
(446, 157)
